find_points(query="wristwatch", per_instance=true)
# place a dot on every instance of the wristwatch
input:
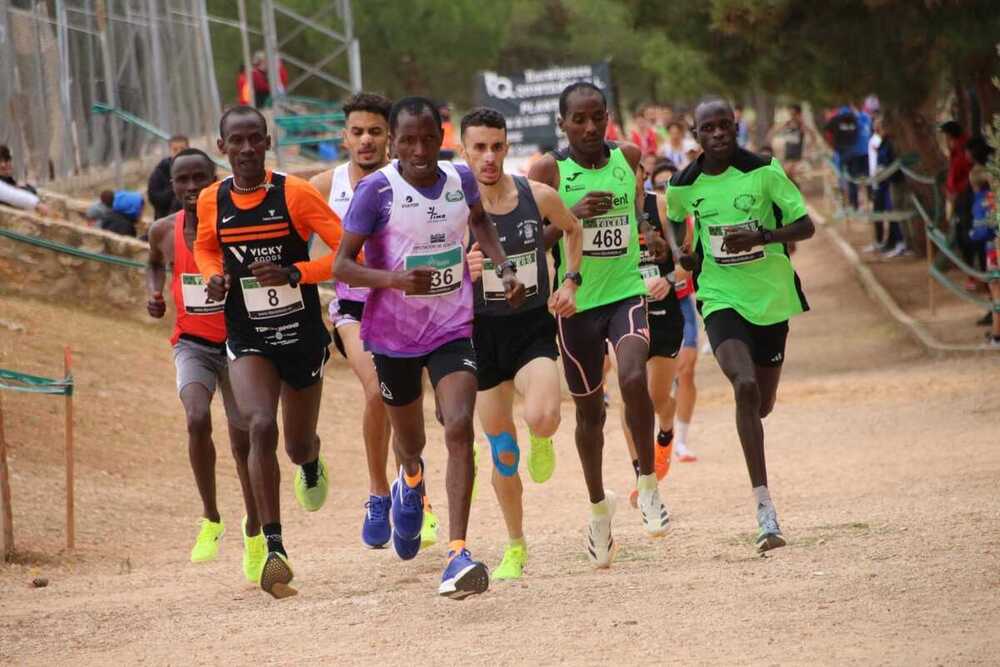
(574, 276)
(294, 276)
(509, 264)
(767, 236)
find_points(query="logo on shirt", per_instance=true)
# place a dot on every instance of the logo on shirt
(385, 391)
(342, 196)
(438, 238)
(270, 253)
(569, 186)
(239, 252)
(527, 229)
(434, 216)
(455, 195)
(618, 173)
(744, 202)
(226, 219)
(697, 202)
(271, 216)
(409, 203)
(576, 174)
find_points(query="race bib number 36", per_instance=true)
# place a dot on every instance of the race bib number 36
(196, 301)
(450, 265)
(717, 234)
(607, 236)
(266, 302)
(527, 273)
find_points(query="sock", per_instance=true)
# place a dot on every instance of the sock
(646, 482)
(635, 466)
(761, 495)
(413, 481)
(537, 439)
(519, 542)
(310, 470)
(454, 547)
(664, 438)
(272, 533)
(599, 510)
(681, 433)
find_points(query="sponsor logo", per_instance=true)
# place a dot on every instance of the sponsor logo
(455, 195)
(619, 200)
(271, 253)
(618, 173)
(697, 202)
(270, 211)
(434, 216)
(342, 196)
(226, 219)
(386, 393)
(776, 358)
(409, 203)
(470, 363)
(438, 238)
(744, 202)
(575, 175)
(239, 252)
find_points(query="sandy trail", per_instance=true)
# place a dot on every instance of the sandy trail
(883, 465)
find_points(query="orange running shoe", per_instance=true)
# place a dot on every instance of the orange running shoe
(661, 464)
(633, 499)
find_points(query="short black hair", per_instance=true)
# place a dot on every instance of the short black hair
(483, 117)
(952, 128)
(195, 151)
(577, 87)
(107, 197)
(239, 110)
(370, 102)
(414, 106)
(712, 100)
(5, 154)
(661, 166)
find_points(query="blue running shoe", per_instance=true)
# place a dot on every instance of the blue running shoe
(463, 577)
(407, 508)
(375, 531)
(406, 549)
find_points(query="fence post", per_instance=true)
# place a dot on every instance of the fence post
(6, 512)
(70, 508)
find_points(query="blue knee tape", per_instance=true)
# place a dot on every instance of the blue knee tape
(501, 444)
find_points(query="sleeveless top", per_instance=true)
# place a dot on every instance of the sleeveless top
(197, 316)
(341, 193)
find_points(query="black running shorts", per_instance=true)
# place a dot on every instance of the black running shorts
(297, 366)
(582, 336)
(507, 343)
(349, 312)
(666, 327)
(766, 343)
(401, 378)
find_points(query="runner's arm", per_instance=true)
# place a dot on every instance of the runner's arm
(486, 234)
(310, 213)
(552, 208)
(156, 268)
(351, 271)
(545, 170)
(207, 252)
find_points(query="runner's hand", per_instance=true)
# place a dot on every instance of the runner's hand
(513, 289)
(658, 288)
(593, 204)
(562, 302)
(415, 281)
(657, 245)
(475, 260)
(217, 287)
(269, 274)
(156, 306)
(741, 240)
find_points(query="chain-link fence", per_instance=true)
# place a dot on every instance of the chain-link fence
(150, 58)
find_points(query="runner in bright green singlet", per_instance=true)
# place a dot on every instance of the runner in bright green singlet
(596, 180)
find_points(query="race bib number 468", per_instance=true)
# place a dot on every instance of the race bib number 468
(266, 302)
(450, 265)
(606, 236)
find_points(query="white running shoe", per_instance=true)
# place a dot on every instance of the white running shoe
(769, 536)
(601, 547)
(897, 250)
(655, 517)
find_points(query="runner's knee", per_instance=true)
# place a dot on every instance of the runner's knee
(506, 453)
(199, 422)
(458, 432)
(543, 420)
(747, 392)
(263, 430)
(632, 381)
(591, 417)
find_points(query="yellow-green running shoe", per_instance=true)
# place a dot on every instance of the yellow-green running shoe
(541, 459)
(254, 554)
(429, 529)
(311, 498)
(515, 557)
(276, 576)
(206, 545)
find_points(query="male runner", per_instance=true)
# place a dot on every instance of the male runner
(412, 218)
(516, 348)
(747, 288)
(597, 181)
(251, 249)
(365, 136)
(199, 341)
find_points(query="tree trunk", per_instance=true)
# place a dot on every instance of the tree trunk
(763, 107)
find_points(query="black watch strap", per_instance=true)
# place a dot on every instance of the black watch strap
(573, 276)
(508, 264)
(294, 276)
(767, 235)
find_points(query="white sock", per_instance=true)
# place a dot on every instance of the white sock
(599, 510)
(680, 433)
(646, 482)
(762, 496)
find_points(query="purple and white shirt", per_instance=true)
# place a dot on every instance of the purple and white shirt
(341, 193)
(407, 227)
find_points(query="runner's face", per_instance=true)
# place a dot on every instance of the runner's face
(6, 168)
(417, 141)
(585, 121)
(365, 138)
(485, 150)
(244, 143)
(716, 127)
(190, 175)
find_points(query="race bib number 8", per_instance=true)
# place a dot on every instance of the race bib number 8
(717, 234)
(195, 294)
(606, 236)
(266, 302)
(450, 265)
(527, 273)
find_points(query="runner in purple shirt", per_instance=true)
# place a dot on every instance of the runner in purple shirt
(412, 217)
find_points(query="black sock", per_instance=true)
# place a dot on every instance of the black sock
(310, 471)
(664, 438)
(635, 465)
(272, 533)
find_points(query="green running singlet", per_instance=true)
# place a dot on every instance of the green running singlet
(610, 265)
(760, 284)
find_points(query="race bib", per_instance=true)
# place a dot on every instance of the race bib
(450, 265)
(266, 302)
(527, 273)
(649, 271)
(716, 234)
(195, 294)
(606, 236)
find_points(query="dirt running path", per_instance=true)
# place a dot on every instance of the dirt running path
(884, 467)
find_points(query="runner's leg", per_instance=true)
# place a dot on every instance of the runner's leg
(456, 394)
(495, 407)
(737, 364)
(631, 354)
(300, 414)
(767, 379)
(538, 384)
(375, 422)
(197, 400)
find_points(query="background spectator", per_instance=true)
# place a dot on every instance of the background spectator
(613, 131)
(21, 196)
(676, 147)
(116, 211)
(742, 131)
(243, 96)
(958, 194)
(848, 131)
(881, 154)
(101, 208)
(261, 86)
(159, 189)
(643, 135)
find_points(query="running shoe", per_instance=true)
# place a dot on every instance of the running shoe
(254, 554)
(655, 517)
(276, 576)
(429, 529)
(206, 545)
(633, 498)
(311, 493)
(541, 459)
(662, 452)
(515, 557)
(375, 531)
(463, 576)
(601, 547)
(769, 537)
(407, 517)
(683, 454)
